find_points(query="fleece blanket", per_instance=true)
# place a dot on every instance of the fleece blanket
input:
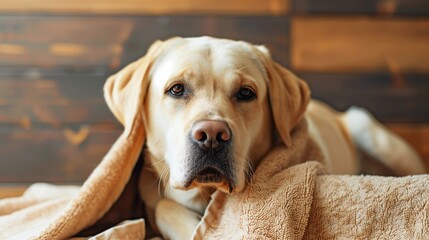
(300, 203)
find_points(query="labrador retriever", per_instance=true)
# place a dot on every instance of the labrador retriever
(213, 108)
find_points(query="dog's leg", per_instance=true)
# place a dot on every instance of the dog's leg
(381, 143)
(175, 221)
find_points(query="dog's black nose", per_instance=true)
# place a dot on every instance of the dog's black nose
(210, 134)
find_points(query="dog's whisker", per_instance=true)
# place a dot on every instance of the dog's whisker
(167, 186)
(202, 196)
(163, 174)
(159, 161)
(166, 189)
(152, 184)
(159, 183)
(249, 171)
(164, 179)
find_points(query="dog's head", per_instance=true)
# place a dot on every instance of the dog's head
(211, 107)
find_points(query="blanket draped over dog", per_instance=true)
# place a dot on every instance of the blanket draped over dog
(281, 202)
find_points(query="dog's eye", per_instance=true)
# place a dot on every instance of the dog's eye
(245, 94)
(176, 90)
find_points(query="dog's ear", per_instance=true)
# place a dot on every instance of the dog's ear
(289, 96)
(124, 91)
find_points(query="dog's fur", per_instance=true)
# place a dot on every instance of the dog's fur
(212, 72)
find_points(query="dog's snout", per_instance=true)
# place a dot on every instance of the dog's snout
(210, 134)
(209, 156)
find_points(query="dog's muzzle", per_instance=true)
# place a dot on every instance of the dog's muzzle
(209, 155)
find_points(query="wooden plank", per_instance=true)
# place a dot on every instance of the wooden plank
(270, 31)
(53, 100)
(245, 7)
(49, 41)
(52, 154)
(400, 98)
(108, 42)
(11, 190)
(359, 44)
(383, 7)
(417, 135)
(39, 29)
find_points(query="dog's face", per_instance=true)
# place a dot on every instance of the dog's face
(211, 108)
(208, 112)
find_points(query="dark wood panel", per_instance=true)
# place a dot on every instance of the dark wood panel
(270, 31)
(82, 42)
(147, 7)
(39, 29)
(359, 44)
(381, 7)
(49, 41)
(53, 154)
(402, 98)
(53, 99)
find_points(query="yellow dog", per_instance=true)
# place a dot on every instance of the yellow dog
(213, 108)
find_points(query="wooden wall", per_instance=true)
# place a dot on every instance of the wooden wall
(55, 57)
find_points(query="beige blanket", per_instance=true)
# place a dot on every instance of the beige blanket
(298, 203)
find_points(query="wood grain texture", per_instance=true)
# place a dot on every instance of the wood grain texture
(400, 98)
(359, 44)
(53, 41)
(53, 99)
(378, 7)
(270, 31)
(52, 154)
(88, 43)
(244, 7)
